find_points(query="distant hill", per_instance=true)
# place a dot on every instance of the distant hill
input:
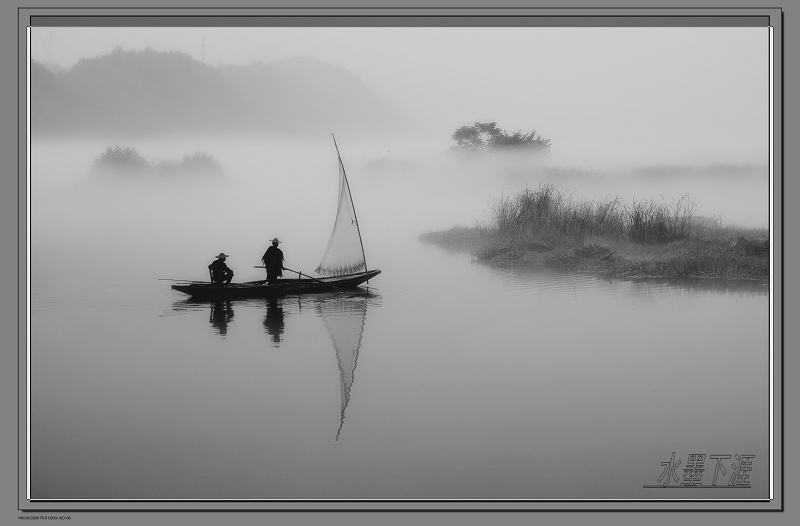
(304, 94)
(144, 92)
(55, 68)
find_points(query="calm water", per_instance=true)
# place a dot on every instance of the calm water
(447, 380)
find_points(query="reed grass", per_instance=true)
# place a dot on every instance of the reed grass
(547, 209)
(643, 239)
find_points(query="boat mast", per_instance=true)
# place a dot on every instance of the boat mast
(344, 174)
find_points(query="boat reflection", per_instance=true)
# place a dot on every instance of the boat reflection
(344, 315)
(273, 320)
(220, 316)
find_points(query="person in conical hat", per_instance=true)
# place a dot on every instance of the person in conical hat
(219, 271)
(273, 262)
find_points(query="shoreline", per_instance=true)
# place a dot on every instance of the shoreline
(731, 256)
(646, 239)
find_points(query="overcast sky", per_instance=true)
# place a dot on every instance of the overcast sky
(667, 94)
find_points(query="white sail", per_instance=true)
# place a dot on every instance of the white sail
(345, 251)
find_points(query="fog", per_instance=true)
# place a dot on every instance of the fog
(283, 188)
(272, 188)
(602, 95)
(611, 100)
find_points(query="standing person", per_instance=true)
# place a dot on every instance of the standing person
(219, 271)
(273, 261)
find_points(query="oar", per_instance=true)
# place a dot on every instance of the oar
(181, 280)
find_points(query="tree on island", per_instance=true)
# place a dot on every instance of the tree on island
(482, 137)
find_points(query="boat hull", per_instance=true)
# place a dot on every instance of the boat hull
(260, 289)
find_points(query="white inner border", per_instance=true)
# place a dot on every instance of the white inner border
(28, 255)
(771, 277)
(28, 282)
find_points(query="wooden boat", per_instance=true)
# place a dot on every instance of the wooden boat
(343, 266)
(260, 288)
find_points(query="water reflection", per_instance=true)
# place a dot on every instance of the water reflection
(220, 316)
(562, 284)
(344, 317)
(273, 320)
(736, 287)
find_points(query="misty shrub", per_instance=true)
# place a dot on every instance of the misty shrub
(128, 160)
(119, 159)
(196, 164)
(200, 162)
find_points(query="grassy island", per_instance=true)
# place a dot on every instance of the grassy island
(644, 239)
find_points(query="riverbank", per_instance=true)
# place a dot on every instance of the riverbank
(739, 257)
(646, 240)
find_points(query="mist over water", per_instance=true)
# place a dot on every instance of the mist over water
(461, 381)
(146, 227)
(286, 188)
(95, 229)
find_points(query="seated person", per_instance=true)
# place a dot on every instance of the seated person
(219, 271)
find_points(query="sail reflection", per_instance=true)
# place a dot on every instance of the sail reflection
(273, 320)
(344, 317)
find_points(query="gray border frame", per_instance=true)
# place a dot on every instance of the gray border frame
(367, 16)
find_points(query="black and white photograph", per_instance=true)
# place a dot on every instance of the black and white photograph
(503, 262)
